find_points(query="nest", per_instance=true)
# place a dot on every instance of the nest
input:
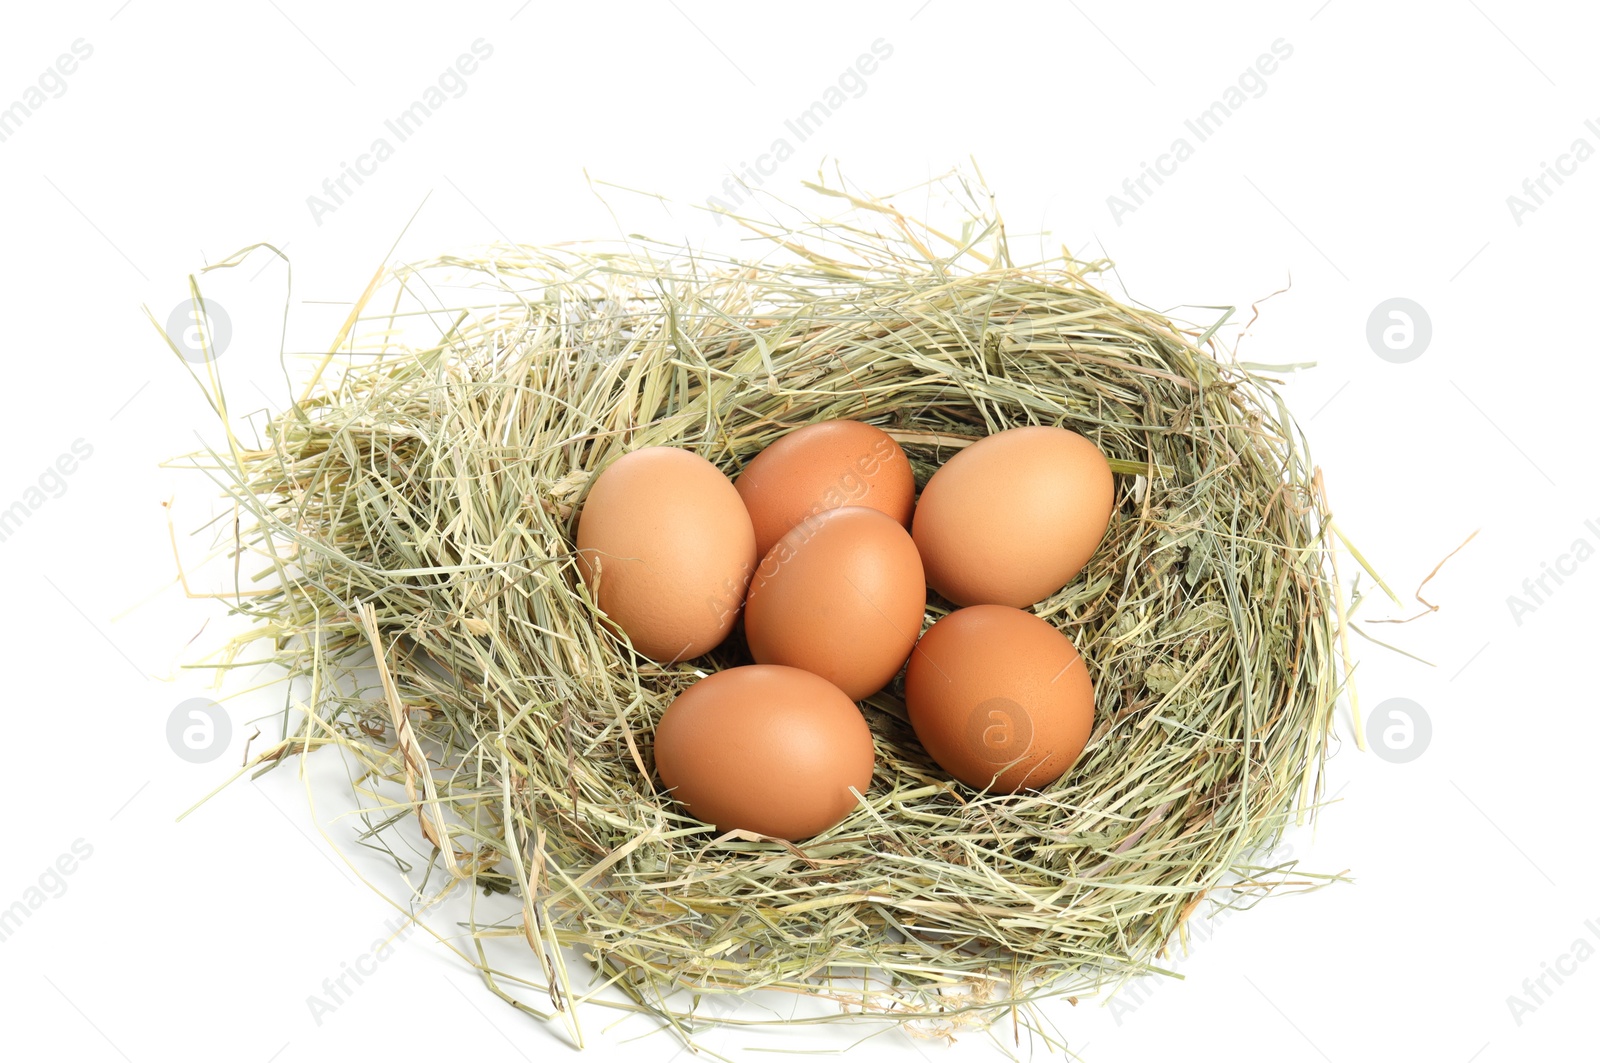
(417, 507)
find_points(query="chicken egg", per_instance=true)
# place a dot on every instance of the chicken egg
(1010, 519)
(765, 748)
(842, 595)
(999, 698)
(666, 547)
(820, 467)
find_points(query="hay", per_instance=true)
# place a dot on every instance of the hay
(421, 501)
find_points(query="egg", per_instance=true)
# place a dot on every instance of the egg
(1012, 518)
(667, 550)
(820, 467)
(842, 595)
(765, 748)
(999, 698)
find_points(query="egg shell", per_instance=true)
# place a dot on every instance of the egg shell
(666, 546)
(765, 748)
(842, 594)
(1010, 519)
(991, 689)
(820, 467)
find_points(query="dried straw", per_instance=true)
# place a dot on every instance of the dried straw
(416, 510)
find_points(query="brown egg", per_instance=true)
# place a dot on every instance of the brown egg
(1013, 517)
(666, 547)
(765, 748)
(991, 689)
(841, 595)
(820, 467)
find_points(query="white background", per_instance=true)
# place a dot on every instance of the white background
(1377, 163)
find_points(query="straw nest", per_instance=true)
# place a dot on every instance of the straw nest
(416, 508)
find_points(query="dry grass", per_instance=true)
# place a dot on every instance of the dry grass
(421, 501)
